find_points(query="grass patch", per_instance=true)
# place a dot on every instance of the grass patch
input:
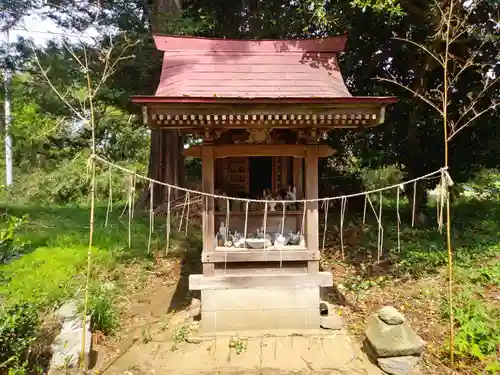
(53, 265)
(55, 257)
(477, 316)
(47, 259)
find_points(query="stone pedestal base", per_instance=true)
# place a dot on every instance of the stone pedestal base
(260, 309)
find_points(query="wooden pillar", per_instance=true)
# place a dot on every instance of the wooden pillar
(312, 217)
(207, 164)
(297, 174)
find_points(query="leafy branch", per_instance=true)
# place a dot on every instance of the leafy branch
(455, 24)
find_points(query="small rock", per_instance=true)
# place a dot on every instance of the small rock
(67, 311)
(398, 365)
(326, 308)
(392, 341)
(195, 326)
(194, 339)
(333, 322)
(195, 307)
(390, 315)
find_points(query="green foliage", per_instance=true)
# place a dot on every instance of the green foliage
(180, 334)
(423, 250)
(485, 185)
(238, 345)
(10, 245)
(18, 325)
(146, 334)
(489, 275)
(476, 250)
(391, 6)
(70, 182)
(54, 268)
(46, 276)
(102, 307)
(19, 369)
(478, 332)
(380, 177)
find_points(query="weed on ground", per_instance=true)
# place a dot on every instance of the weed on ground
(413, 278)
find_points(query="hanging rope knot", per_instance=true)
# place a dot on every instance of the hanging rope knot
(448, 180)
(443, 194)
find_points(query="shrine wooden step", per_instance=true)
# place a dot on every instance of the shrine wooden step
(280, 281)
(228, 254)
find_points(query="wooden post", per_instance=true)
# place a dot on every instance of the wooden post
(207, 163)
(297, 174)
(312, 218)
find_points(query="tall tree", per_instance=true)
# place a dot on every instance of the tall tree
(166, 161)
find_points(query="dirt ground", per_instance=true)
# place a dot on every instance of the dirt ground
(159, 337)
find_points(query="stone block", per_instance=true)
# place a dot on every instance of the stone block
(398, 365)
(389, 315)
(259, 299)
(243, 320)
(67, 345)
(333, 322)
(195, 308)
(392, 340)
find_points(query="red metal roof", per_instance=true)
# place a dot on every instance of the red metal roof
(220, 68)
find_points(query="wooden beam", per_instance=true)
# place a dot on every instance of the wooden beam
(201, 282)
(264, 109)
(297, 151)
(312, 218)
(207, 162)
(193, 127)
(231, 255)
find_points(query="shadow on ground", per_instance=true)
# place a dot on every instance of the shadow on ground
(190, 264)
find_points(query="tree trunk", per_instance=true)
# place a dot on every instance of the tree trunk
(166, 161)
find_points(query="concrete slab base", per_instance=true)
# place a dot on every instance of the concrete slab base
(260, 309)
(333, 354)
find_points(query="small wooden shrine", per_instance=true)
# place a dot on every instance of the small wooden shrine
(261, 110)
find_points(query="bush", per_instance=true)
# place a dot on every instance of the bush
(70, 182)
(9, 245)
(18, 326)
(381, 177)
(102, 302)
(485, 185)
(477, 333)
